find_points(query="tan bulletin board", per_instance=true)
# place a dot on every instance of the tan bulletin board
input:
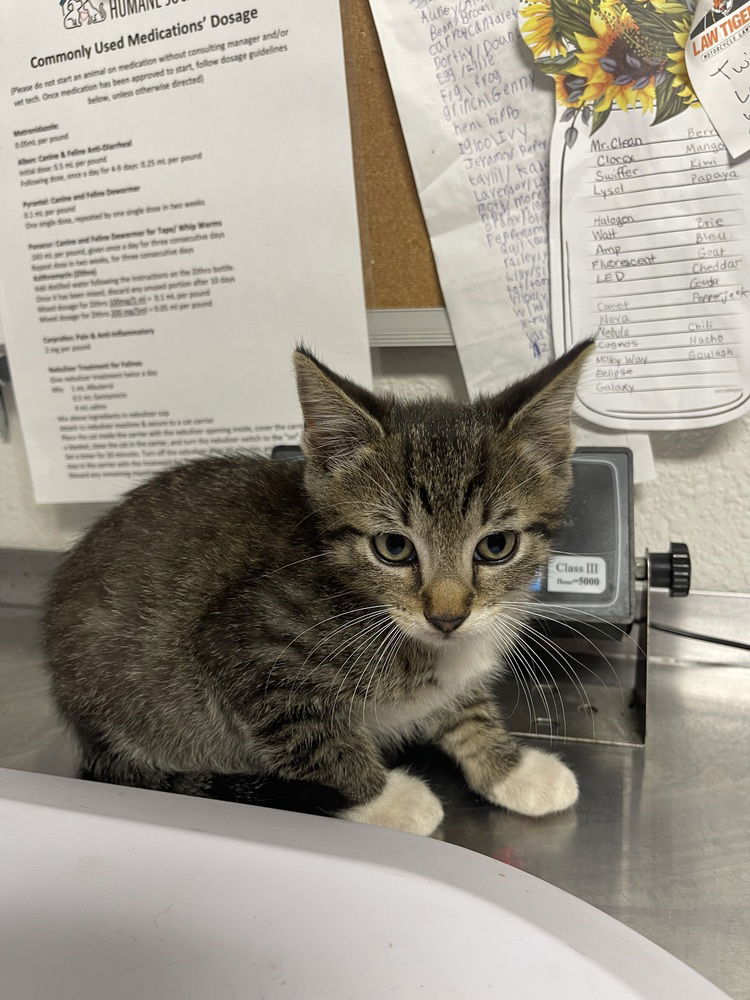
(397, 262)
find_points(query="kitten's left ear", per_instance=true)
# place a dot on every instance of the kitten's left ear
(539, 407)
(340, 416)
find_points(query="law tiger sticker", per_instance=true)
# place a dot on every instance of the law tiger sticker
(717, 56)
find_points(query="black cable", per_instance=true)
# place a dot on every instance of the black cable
(702, 638)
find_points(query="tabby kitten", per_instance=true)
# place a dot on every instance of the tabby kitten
(239, 621)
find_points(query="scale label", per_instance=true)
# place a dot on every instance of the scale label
(576, 574)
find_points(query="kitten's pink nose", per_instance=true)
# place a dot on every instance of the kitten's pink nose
(446, 624)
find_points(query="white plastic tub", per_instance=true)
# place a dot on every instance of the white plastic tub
(121, 894)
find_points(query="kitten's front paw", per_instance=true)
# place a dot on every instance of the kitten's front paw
(540, 784)
(406, 803)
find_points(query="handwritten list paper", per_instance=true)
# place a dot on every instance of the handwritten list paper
(477, 133)
(177, 210)
(653, 260)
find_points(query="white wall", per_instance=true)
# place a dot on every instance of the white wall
(701, 495)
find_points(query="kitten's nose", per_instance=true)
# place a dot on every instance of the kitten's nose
(446, 624)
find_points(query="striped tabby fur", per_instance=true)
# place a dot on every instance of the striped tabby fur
(228, 630)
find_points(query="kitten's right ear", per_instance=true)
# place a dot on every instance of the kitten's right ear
(538, 407)
(337, 425)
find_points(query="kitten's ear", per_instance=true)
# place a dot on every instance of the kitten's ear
(339, 415)
(539, 407)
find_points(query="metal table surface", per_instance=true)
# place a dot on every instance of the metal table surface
(660, 838)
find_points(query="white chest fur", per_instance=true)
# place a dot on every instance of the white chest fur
(459, 666)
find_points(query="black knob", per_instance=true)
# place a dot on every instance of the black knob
(671, 570)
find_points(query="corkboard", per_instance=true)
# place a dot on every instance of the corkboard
(397, 262)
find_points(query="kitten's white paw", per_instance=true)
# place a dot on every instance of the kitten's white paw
(406, 803)
(539, 785)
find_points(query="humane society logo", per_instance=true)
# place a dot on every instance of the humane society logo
(80, 13)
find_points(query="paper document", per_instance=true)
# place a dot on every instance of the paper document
(477, 133)
(177, 210)
(648, 231)
(653, 261)
(718, 61)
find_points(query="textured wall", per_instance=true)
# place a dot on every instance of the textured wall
(701, 495)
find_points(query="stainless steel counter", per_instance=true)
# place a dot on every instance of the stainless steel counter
(661, 836)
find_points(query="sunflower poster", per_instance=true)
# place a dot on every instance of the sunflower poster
(649, 249)
(610, 54)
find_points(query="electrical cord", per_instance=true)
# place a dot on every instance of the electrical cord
(735, 643)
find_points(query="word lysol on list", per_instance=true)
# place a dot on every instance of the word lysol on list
(654, 263)
(178, 209)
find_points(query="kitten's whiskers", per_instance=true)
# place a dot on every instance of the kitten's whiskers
(375, 633)
(558, 656)
(272, 572)
(395, 641)
(377, 615)
(535, 613)
(501, 629)
(537, 664)
(374, 663)
(310, 628)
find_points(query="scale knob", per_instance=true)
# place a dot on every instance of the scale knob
(671, 570)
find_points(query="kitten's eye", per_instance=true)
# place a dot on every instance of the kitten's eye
(497, 548)
(394, 548)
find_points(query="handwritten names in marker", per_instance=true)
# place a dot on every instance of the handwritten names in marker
(654, 264)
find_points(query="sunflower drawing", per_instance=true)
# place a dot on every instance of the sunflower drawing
(541, 34)
(605, 54)
(680, 79)
(616, 67)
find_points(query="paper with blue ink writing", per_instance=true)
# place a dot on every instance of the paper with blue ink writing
(477, 131)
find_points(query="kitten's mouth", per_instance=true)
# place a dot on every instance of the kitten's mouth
(434, 637)
(430, 634)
